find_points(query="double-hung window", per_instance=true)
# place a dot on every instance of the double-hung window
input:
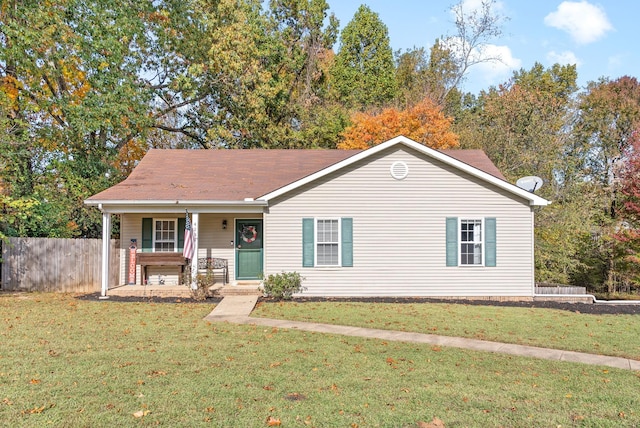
(164, 235)
(471, 241)
(327, 242)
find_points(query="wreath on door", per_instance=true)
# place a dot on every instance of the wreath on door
(249, 234)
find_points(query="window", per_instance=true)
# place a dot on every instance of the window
(471, 242)
(327, 242)
(164, 235)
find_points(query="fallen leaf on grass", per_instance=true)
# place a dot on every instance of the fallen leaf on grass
(141, 413)
(273, 422)
(37, 409)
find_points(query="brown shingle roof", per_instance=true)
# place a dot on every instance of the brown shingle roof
(233, 175)
(477, 159)
(221, 175)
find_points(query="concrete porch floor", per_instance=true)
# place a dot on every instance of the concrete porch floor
(183, 291)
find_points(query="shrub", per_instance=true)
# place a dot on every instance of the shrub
(282, 285)
(203, 282)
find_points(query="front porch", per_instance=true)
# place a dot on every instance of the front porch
(183, 291)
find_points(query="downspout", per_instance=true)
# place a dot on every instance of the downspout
(533, 252)
(106, 237)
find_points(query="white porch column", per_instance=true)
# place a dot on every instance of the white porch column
(195, 220)
(106, 244)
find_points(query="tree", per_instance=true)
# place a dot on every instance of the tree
(364, 75)
(455, 55)
(627, 235)
(608, 117)
(520, 125)
(609, 113)
(307, 33)
(424, 123)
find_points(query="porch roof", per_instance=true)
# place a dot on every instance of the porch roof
(170, 176)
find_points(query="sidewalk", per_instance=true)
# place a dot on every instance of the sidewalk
(237, 309)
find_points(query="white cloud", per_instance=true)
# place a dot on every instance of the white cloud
(490, 64)
(496, 71)
(563, 58)
(470, 6)
(584, 21)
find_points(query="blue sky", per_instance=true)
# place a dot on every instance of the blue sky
(600, 37)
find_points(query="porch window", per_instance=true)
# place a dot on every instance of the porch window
(328, 242)
(164, 235)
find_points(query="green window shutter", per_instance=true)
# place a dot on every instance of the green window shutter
(347, 241)
(452, 241)
(147, 235)
(490, 241)
(307, 242)
(181, 223)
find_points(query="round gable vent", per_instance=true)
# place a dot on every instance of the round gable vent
(399, 170)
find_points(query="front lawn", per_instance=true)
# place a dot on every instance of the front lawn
(69, 362)
(615, 335)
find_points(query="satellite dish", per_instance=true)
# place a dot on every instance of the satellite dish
(529, 183)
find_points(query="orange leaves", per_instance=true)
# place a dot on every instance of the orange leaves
(9, 85)
(273, 422)
(425, 123)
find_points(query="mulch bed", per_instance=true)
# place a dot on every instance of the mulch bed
(585, 308)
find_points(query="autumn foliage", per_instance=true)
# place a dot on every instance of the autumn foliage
(629, 233)
(424, 122)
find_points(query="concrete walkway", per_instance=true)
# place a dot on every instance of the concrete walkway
(237, 309)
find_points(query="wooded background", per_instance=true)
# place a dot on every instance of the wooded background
(87, 87)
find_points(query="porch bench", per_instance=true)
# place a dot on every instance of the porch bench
(160, 259)
(215, 263)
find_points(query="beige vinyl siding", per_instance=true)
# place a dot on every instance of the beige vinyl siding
(399, 226)
(213, 241)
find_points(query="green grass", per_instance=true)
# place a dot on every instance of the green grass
(615, 335)
(67, 363)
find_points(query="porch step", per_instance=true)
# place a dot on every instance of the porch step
(180, 291)
(242, 288)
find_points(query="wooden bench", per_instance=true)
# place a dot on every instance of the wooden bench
(160, 259)
(215, 263)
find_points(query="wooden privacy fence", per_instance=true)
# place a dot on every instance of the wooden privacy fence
(559, 289)
(56, 264)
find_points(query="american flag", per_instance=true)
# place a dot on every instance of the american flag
(188, 239)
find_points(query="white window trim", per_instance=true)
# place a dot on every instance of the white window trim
(316, 243)
(175, 242)
(461, 242)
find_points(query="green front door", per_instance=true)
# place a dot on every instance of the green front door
(248, 249)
